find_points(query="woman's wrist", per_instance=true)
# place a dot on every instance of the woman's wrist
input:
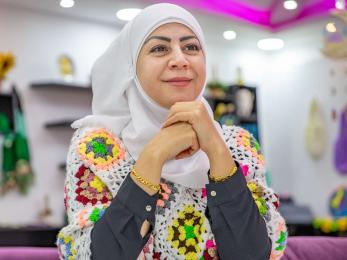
(148, 167)
(221, 162)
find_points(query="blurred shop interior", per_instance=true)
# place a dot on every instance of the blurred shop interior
(277, 68)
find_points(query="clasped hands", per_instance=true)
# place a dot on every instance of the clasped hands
(196, 114)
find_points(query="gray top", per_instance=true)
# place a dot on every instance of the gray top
(240, 231)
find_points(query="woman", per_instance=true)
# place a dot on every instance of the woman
(151, 175)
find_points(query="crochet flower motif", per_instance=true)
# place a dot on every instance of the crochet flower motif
(146, 249)
(100, 149)
(66, 246)
(90, 189)
(88, 216)
(210, 252)
(203, 193)
(281, 241)
(250, 144)
(166, 196)
(257, 194)
(186, 232)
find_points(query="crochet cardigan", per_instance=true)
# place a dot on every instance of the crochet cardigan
(234, 219)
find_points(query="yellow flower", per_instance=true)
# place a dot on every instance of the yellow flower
(191, 242)
(342, 224)
(189, 209)
(175, 243)
(252, 186)
(7, 62)
(182, 250)
(97, 184)
(326, 225)
(170, 234)
(181, 230)
(191, 256)
(182, 237)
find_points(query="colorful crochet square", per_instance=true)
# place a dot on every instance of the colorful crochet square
(257, 194)
(100, 149)
(166, 196)
(90, 189)
(186, 232)
(89, 216)
(281, 242)
(250, 144)
(66, 247)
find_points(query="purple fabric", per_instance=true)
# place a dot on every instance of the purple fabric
(29, 253)
(341, 146)
(316, 248)
(298, 248)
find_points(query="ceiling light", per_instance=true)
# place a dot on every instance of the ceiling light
(330, 27)
(290, 4)
(229, 35)
(270, 44)
(67, 3)
(128, 14)
(340, 4)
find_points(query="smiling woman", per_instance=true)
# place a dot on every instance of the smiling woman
(171, 65)
(151, 174)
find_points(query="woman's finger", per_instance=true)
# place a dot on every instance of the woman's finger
(179, 117)
(182, 107)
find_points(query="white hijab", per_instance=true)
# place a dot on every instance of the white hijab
(121, 105)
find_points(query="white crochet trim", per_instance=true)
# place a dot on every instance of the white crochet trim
(180, 196)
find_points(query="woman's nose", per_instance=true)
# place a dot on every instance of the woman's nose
(178, 60)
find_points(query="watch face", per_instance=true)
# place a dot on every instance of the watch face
(66, 67)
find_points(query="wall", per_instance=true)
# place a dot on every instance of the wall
(37, 39)
(288, 80)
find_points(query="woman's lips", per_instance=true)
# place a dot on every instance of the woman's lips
(179, 82)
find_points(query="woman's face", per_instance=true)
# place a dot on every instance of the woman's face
(171, 65)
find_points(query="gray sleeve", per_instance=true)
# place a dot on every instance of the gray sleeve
(117, 233)
(240, 231)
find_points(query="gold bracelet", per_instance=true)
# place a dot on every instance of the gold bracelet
(152, 186)
(223, 178)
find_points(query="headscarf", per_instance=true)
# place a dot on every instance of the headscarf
(121, 105)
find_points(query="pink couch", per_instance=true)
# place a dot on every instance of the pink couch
(28, 253)
(316, 248)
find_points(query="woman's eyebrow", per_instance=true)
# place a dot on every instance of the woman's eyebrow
(163, 38)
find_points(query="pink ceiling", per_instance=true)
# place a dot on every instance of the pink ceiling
(265, 13)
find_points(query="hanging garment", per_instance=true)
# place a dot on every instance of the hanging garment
(15, 158)
(340, 158)
(315, 132)
(24, 174)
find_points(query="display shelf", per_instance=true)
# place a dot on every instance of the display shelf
(230, 116)
(63, 123)
(42, 236)
(61, 85)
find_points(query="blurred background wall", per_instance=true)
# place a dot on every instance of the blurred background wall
(287, 80)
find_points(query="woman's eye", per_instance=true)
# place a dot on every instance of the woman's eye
(158, 49)
(192, 47)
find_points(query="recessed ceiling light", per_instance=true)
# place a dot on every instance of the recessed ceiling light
(330, 27)
(67, 3)
(290, 4)
(128, 14)
(340, 4)
(270, 44)
(229, 35)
